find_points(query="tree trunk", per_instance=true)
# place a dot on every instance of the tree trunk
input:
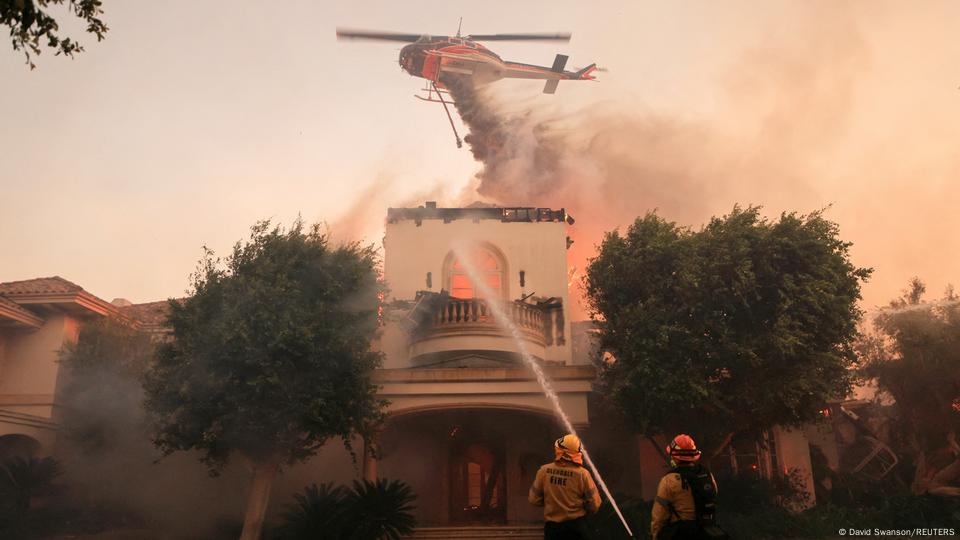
(920, 483)
(723, 446)
(263, 475)
(942, 482)
(370, 456)
(656, 446)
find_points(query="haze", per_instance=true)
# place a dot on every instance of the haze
(193, 120)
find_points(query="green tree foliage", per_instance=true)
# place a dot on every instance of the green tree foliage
(102, 391)
(32, 26)
(106, 448)
(739, 326)
(914, 356)
(270, 357)
(378, 510)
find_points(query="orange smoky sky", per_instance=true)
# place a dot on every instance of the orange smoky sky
(803, 120)
(191, 121)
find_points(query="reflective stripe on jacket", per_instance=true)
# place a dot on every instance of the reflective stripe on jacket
(673, 503)
(565, 490)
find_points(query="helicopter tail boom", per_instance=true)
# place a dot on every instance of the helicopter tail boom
(586, 74)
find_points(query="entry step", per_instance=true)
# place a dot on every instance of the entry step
(515, 532)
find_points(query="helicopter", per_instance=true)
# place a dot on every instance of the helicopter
(443, 59)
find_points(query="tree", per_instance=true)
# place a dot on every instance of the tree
(913, 355)
(102, 391)
(269, 356)
(31, 25)
(735, 328)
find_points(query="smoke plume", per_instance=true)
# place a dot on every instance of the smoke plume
(779, 141)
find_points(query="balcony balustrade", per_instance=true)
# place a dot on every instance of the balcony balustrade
(458, 316)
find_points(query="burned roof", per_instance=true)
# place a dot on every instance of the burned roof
(476, 212)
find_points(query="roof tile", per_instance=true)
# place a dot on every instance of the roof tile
(149, 313)
(48, 285)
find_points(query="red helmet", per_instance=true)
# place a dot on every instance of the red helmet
(682, 448)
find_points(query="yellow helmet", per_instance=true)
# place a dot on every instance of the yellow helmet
(569, 447)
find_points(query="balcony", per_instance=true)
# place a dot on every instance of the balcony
(447, 331)
(455, 315)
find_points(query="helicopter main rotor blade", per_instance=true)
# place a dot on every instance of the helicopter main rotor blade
(560, 36)
(347, 33)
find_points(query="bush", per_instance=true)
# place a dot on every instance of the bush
(381, 510)
(606, 525)
(752, 508)
(378, 510)
(22, 479)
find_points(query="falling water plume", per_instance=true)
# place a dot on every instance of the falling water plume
(504, 320)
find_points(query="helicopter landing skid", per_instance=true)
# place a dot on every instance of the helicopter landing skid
(439, 99)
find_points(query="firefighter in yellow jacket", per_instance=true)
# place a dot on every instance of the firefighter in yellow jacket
(685, 505)
(565, 490)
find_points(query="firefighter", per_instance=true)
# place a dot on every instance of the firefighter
(685, 505)
(565, 490)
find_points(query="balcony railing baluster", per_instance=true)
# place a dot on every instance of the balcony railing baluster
(476, 311)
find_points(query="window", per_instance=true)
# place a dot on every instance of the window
(483, 264)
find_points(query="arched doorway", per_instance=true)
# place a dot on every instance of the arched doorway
(478, 484)
(18, 446)
(468, 465)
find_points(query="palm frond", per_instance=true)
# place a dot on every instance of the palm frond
(382, 510)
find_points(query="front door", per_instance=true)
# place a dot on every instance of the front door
(477, 482)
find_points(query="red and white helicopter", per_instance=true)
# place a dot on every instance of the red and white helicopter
(441, 59)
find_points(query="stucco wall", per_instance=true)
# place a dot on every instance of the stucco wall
(3, 341)
(31, 366)
(538, 248)
(332, 463)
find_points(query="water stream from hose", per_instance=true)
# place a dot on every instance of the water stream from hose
(503, 319)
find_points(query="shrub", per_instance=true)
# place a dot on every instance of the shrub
(606, 525)
(381, 510)
(378, 510)
(751, 508)
(22, 479)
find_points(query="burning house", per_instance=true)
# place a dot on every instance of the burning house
(468, 422)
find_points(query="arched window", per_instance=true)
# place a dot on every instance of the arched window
(486, 265)
(18, 446)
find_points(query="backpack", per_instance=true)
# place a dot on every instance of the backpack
(700, 482)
